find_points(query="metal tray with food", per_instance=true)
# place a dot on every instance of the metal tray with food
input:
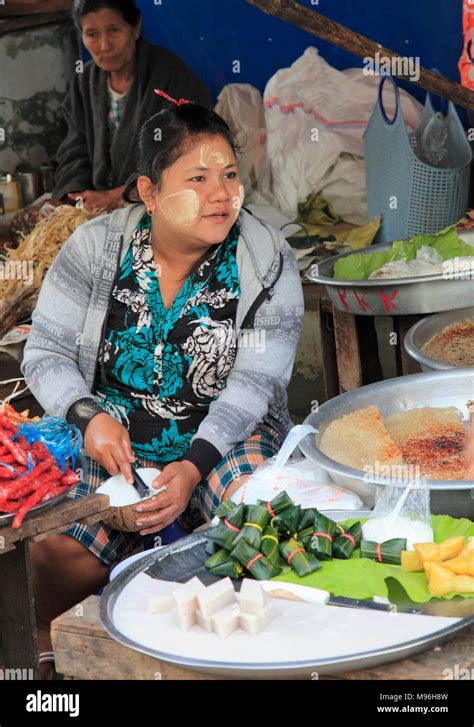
(304, 638)
(452, 353)
(6, 518)
(394, 296)
(448, 390)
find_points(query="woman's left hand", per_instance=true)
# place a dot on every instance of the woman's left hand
(181, 479)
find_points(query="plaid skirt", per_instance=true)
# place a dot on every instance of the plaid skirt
(111, 546)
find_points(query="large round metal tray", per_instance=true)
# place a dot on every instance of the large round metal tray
(172, 563)
(392, 297)
(424, 330)
(453, 387)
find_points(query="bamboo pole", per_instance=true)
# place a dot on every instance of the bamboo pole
(359, 45)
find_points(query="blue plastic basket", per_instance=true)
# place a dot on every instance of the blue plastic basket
(413, 197)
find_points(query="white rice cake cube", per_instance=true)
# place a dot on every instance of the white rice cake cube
(253, 623)
(215, 597)
(202, 621)
(226, 621)
(186, 619)
(160, 604)
(253, 598)
(185, 596)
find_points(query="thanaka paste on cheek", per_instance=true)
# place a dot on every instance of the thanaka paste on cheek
(237, 202)
(180, 208)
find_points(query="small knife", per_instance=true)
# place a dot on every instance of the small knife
(138, 483)
(294, 592)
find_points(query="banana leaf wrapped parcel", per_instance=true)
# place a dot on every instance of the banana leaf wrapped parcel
(223, 564)
(298, 559)
(388, 552)
(256, 520)
(270, 544)
(259, 566)
(226, 532)
(344, 545)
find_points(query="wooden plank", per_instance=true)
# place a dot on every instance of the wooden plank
(347, 350)
(84, 650)
(17, 612)
(56, 519)
(11, 25)
(359, 45)
(405, 363)
(431, 665)
(328, 346)
(369, 350)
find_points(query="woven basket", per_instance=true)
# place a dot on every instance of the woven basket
(413, 197)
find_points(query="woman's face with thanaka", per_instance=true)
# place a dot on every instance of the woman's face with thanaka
(201, 193)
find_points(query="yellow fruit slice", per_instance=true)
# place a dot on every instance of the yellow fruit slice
(443, 581)
(463, 566)
(439, 552)
(411, 561)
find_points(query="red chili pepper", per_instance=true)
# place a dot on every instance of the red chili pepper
(54, 492)
(9, 506)
(23, 443)
(7, 474)
(40, 450)
(46, 464)
(7, 424)
(6, 459)
(3, 450)
(19, 454)
(30, 502)
(69, 478)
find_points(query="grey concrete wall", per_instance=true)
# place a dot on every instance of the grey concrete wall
(32, 87)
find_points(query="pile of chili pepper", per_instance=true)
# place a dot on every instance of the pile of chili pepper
(29, 474)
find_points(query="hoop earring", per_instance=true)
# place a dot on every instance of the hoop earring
(150, 212)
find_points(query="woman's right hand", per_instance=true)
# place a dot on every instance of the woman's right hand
(108, 442)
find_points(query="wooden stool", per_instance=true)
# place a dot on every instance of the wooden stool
(350, 348)
(17, 611)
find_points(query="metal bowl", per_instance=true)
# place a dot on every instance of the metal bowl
(421, 332)
(453, 387)
(394, 296)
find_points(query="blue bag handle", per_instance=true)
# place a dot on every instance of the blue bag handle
(397, 99)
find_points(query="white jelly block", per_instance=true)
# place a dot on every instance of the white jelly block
(203, 622)
(253, 623)
(186, 619)
(215, 597)
(226, 621)
(160, 604)
(185, 596)
(253, 598)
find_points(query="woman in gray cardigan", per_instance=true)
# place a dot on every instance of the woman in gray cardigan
(167, 333)
(110, 100)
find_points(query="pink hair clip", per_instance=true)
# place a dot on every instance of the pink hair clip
(170, 98)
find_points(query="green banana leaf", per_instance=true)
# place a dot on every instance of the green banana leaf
(363, 578)
(359, 266)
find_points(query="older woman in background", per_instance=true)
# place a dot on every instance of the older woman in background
(110, 100)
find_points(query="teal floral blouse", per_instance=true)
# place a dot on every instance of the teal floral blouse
(160, 369)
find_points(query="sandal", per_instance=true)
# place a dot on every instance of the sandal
(46, 657)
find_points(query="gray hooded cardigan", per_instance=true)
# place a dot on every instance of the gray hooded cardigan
(60, 357)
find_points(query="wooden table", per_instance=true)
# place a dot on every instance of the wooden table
(17, 612)
(84, 650)
(350, 349)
